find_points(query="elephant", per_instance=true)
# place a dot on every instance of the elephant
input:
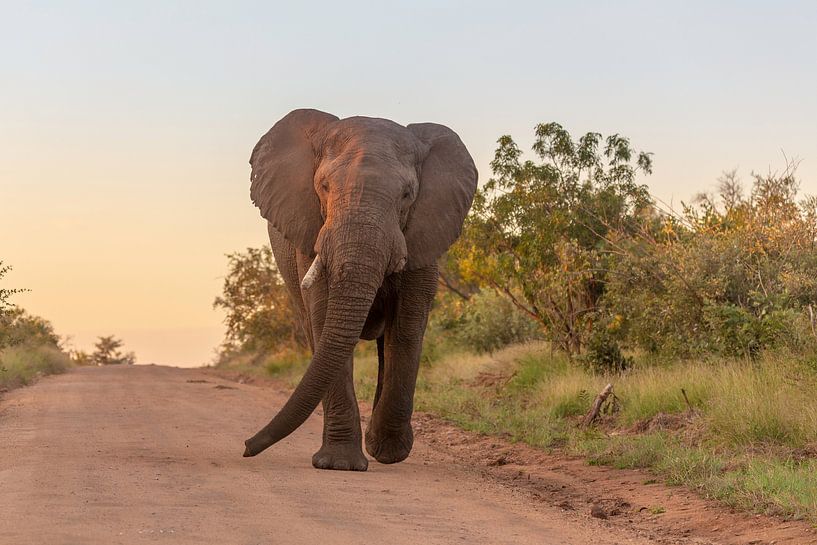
(359, 211)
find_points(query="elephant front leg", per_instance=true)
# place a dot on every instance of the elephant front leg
(341, 448)
(389, 437)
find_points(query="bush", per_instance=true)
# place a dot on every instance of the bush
(19, 327)
(732, 279)
(485, 322)
(29, 347)
(22, 364)
(738, 332)
(32, 349)
(604, 354)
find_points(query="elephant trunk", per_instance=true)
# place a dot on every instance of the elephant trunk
(354, 274)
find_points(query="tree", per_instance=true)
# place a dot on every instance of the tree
(6, 293)
(260, 316)
(537, 230)
(7, 309)
(107, 352)
(19, 327)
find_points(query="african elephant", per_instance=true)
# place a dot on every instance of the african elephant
(359, 210)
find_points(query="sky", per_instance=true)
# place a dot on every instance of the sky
(126, 127)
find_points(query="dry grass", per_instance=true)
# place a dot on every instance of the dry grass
(742, 403)
(287, 365)
(21, 365)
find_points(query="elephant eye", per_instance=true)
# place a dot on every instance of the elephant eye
(406, 193)
(325, 185)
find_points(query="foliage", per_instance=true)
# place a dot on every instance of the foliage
(81, 358)
(572, 240)
(485, 322)
(286, 365)
(260, 316)
(29, 347)
(22, 364)
(106, 352)
(19, 327)
(733, 278)
(603, 350)
(7, 309)
(6, 293)
(537, 231)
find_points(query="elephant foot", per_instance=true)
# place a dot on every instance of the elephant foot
(390, 447)
(340, 456)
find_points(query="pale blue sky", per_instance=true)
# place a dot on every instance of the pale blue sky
(126, 129)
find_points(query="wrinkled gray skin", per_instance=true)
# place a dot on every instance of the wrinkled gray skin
(377, 203)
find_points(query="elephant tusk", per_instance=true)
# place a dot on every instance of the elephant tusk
(313, 273)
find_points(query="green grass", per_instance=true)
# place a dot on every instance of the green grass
(750, 445)
(22, 365)
(745, 447)
(287, 365)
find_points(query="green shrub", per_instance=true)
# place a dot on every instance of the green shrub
(732, 279)
(490, 322)
(18, 326)
(604, 354)
(20, 365)
(736, 331)
(286, 362)
(29, 348)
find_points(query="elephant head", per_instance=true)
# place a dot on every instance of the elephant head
(367, 198)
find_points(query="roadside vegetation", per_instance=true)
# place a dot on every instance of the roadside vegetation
(261, 330)
(569, 276)
(106, 352)
(29, 347)
(746, 438)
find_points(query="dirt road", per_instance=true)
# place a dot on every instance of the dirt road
(148, 454)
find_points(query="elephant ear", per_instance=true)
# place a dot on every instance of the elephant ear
(283, 170)
(448, 180)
